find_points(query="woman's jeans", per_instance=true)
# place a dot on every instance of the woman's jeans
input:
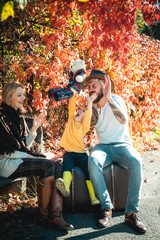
(126, 156)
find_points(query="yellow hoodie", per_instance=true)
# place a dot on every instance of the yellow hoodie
(72, 139)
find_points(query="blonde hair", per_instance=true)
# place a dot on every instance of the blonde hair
(8, 91)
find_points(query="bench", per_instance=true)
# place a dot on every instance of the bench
(116, 178)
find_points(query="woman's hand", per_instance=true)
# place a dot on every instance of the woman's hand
(37, 122)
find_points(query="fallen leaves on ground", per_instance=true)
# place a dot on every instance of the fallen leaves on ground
(146, 180)
(14, 201)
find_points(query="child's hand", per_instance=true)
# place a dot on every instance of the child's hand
(91, 100)
(92, 97)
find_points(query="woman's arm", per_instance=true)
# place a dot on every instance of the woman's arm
(16, 154)
(30, 138)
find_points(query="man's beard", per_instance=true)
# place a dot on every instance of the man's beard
(99, 97)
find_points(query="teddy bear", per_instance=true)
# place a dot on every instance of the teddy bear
(76, 77)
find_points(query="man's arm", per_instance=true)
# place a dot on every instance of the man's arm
(106, 88)
(116, 111)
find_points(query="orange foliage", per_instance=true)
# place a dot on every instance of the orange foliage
(49, 35)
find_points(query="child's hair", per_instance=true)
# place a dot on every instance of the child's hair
(94, 117)
(8, 91)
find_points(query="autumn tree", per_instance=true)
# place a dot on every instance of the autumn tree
(40, 40)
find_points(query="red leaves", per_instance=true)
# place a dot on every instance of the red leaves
(47, 39)
(20, 74)
(100, 32)
(150, 12)
(72, 5)
(39, 103)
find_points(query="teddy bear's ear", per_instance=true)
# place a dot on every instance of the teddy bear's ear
(77, 65)
(83, 64)
(73, 68)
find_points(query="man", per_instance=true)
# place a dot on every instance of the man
(113, 145)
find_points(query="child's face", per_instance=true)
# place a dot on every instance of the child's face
(79, 116)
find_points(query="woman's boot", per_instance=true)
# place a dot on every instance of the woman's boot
(56, 212)
(44, 193)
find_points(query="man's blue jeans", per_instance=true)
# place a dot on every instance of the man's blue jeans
(126, 156)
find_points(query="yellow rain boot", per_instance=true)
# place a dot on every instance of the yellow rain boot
(63, 185)
(94, 199)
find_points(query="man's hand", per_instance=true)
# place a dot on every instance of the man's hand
(106, 88)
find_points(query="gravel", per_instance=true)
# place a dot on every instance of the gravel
(22, 226)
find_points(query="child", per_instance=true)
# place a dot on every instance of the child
(72, 141)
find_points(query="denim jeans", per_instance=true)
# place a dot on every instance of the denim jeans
(72, 159)
(126, 156)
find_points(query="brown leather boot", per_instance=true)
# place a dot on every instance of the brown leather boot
(56, 212)
(44, 193)
(105, 216)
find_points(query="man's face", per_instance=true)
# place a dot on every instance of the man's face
(94, 86)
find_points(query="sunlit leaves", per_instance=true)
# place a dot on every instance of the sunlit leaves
(83, 0)
(151, 11)
(43, 39)
(13, 201)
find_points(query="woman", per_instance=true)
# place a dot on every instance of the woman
(17, 158)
